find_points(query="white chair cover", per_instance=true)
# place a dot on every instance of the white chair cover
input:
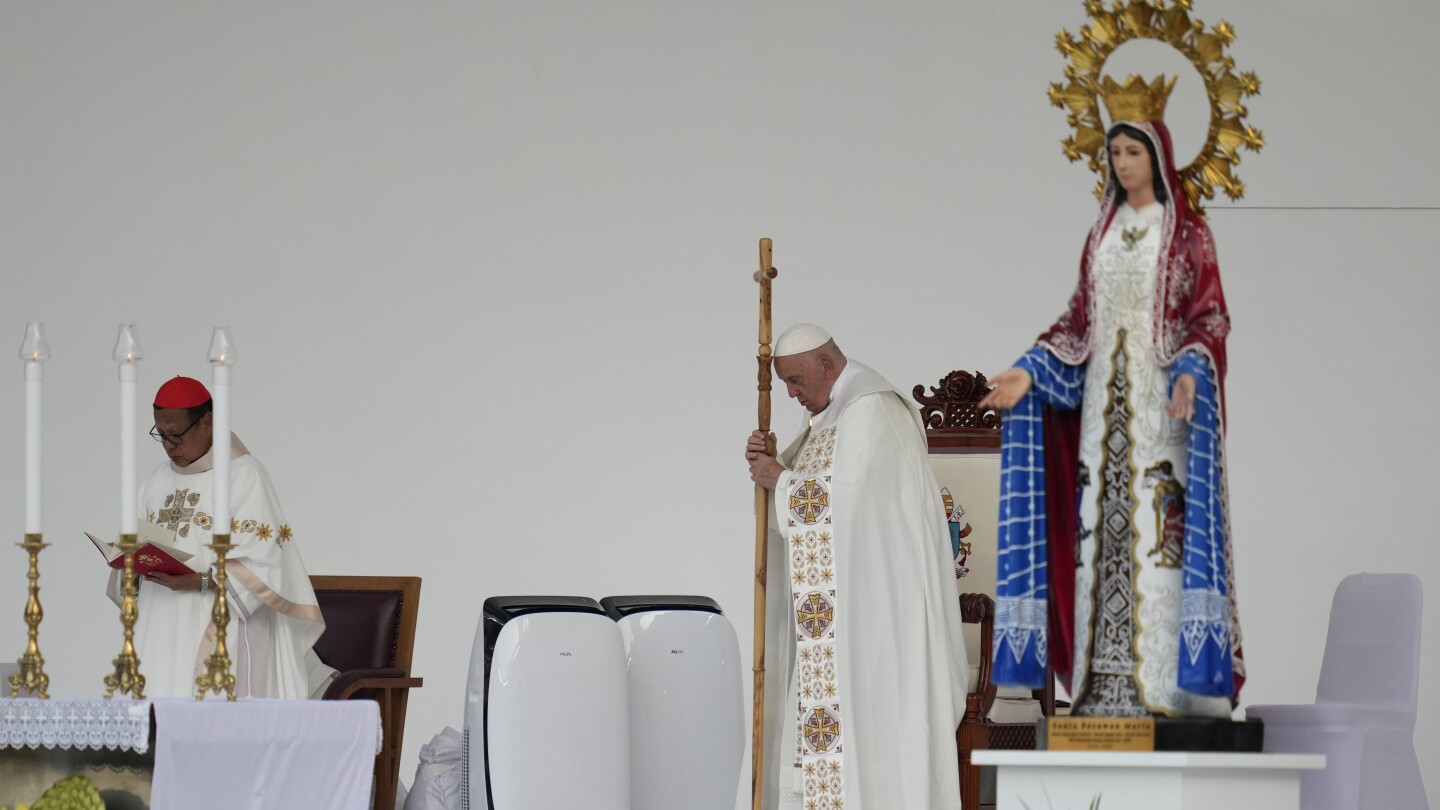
(1363, 717)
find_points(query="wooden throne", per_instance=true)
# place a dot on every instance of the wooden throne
(964, 447)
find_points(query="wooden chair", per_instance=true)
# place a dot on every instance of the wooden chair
(370, 637)
(964, 446)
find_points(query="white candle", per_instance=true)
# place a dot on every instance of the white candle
(33, 350)
(220, 390)
(127, 355)
(221, 356)
(34, 375)
(127, 448)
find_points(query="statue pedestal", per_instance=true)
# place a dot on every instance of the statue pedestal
(1206, 734)
(1159, 780)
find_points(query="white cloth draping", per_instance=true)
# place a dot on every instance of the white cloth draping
(257, 754)
(438, 777)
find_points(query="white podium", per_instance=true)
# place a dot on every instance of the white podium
(1162, 780)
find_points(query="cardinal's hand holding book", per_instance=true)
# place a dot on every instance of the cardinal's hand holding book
(178, 582)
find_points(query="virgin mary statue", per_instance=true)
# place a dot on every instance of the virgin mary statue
(1114, 564)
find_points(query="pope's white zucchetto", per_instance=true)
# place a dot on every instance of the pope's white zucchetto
(800, 338)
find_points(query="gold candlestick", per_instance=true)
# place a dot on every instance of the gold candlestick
(127, 677)
(32, 678)
(218, 676)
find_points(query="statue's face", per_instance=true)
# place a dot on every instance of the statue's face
(1131, 161)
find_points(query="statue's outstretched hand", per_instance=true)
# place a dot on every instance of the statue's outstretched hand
(1009, 387)
(1182, 399)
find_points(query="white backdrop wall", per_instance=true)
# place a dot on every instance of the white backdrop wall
(488, 269)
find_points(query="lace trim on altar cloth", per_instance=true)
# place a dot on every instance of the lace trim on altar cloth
(75, 723)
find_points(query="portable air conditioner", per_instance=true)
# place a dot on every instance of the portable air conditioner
(547, 724)
(687, 717)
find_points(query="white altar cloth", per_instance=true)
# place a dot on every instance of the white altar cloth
(263, 754)
(76, 723)
(1159, 780)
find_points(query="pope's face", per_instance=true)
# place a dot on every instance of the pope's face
(1131, 161)
(808, 380)
(194, 437)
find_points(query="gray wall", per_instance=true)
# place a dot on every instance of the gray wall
(487, 267)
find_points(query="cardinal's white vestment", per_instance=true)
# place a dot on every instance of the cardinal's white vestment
(274, 618)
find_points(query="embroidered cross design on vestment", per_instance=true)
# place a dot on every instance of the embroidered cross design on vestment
(176, 512)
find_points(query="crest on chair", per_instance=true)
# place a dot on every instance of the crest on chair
(959, 530)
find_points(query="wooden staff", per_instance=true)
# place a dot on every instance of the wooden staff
(763, 276)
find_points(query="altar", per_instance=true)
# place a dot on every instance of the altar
(1158, 780)
(169, 753)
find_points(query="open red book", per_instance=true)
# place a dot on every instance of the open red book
(151, 555)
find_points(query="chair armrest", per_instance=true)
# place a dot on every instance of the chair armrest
(351, 681)
(980, 608)
(976, 607)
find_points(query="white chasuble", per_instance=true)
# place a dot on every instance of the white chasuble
(274, 618)
(1132, 496)
(865, 665)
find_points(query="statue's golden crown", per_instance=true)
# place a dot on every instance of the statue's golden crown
(1135, 100)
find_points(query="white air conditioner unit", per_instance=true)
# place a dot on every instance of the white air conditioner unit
(687, 716)
(547, 722)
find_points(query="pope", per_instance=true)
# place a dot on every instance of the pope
(863, 623)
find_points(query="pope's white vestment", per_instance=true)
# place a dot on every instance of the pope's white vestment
(274, 618)
(866, 669)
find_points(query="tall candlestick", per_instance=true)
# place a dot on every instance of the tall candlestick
(127, 354)
(34, 350)
(217, 675)
(222, 354)
(31, 678)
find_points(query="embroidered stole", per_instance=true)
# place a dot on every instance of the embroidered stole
(814, 596)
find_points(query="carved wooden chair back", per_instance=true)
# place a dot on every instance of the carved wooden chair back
(964, 447)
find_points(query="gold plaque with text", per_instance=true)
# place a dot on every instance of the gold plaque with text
(1097, 734)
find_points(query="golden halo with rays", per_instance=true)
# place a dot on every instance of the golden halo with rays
(1172, 25)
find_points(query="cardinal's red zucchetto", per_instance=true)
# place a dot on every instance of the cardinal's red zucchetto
(181, 392)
